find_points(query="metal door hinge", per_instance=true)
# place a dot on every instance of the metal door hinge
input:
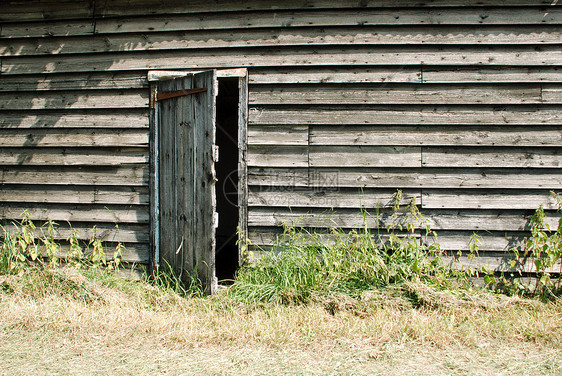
(178, 93)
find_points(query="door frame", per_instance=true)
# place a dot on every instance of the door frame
(153, 77)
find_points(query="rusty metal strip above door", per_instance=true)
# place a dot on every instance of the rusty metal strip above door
(179, 93)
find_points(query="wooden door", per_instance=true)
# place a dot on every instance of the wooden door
(185, 179)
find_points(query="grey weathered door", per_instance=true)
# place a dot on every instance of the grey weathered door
(185, 179)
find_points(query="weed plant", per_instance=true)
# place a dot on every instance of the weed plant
(307, 264)
(36, 254)
(304, 264)
(29, 246)
(544, 250)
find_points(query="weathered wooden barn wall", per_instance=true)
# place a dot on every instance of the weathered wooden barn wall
(455, 102)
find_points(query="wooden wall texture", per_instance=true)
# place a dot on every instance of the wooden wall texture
(456, 102)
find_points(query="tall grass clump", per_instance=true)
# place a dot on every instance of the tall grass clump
(36, 257)
(305, 264)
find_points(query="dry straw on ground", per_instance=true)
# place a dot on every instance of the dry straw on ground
(131, 328)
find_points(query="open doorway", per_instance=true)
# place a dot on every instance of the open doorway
(227, 140)
(198, 171)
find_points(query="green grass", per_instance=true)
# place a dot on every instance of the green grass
(305, 266)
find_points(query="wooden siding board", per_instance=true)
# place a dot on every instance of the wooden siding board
(143, 7)
(39, 10)
(462, 199)
(27, 137)
(36, 10)
(308, 18)
(46, 29)
(230, 58)
(488, 220)
(402, 115)
(132, 253)
(88, 121)
(333, 75)
(467, 135)
(338, 36)
(390, 178)
(493, 74)
(551, 94)
(72, 157)
(288, 135)
(265, 237)
(106, 176)
(321, 198)
(76, 195)
(401, 94)
(107, 99)
(492, 157)
(460, 75)
(79, 81)
(427, 198)
(366, 156)
(277, 156)
(59, 212)
(125, 233)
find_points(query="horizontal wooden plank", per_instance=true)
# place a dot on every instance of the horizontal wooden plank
(46, 29)
(351, 35)
(89, 120)
(428, 198)
(364, 156)
(126, 233)
(106, 176)
(278, 177)
(249, 57)
(79, 81)
(488, 240)
(76, 195)
(265, 135)
(32, 10)
(447, 240)
(137, 253)
(499, 262)
(144, 7)
(107, 99)
(77, 137)
(333, 75)
(463, 199)
(492, 74)
(319, 198)
(480, 157)
(279, 156)
(402, 94)
(406, 178)
(524, 136)
(35, 10)
(438, 220)
(82, 213)
(308, 18)
(551, 94)
(404, 115)
(294, 156)
(72, 156)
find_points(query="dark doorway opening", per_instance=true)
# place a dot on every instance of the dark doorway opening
(227, 122)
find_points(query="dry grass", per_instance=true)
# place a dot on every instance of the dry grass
(134, 328)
